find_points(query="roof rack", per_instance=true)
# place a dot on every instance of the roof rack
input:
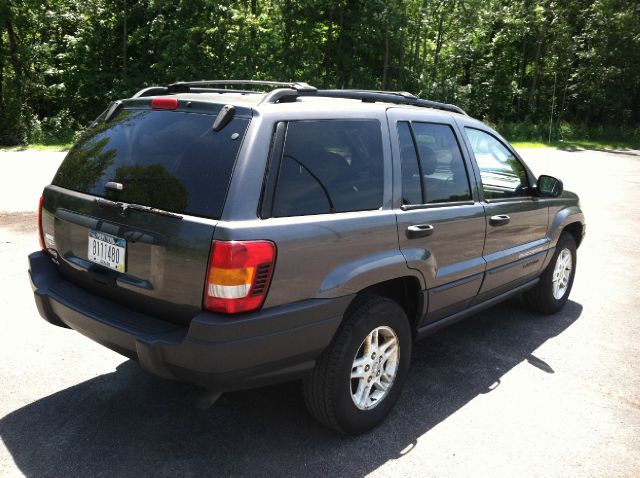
(284, 95)
(188, 87)
(290, 91)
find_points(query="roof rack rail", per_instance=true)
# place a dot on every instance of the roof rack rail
(151, 91)
(184, 86)
(291, 91)
(286, 95)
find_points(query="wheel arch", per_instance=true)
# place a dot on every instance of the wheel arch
(406, 291)
(570, 219)
(576, 229)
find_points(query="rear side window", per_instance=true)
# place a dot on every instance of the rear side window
(437, 173)
(165, 159)
(329, 166)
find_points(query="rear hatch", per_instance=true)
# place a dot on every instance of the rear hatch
(131, 212)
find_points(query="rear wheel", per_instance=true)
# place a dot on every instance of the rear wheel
(358, 379)
(552, 291)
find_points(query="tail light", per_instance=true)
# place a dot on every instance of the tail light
(239, 275)
(40, 233)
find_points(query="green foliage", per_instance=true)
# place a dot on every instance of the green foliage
(570, 133)
(519, 62)
(85, 164)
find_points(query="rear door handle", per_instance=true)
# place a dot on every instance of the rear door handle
(419, 230)
(499, 220)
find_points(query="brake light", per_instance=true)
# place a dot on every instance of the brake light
(40, 233)
(164, 103)
(239, 275)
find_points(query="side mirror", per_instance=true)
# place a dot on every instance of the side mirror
(548, 186)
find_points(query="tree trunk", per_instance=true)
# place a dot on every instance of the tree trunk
(416, 46)
(124, 45)
(1, 69)
(386, 60)
(439, 42)
(401, 66)
(253, 36)
(416, 53)
(287, 39)
(328, 51)
(13, 53)
(538, 58)
(563, 103)
(340, 70)
(523, 68)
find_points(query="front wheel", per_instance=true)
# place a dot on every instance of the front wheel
(358, 379)
(552, 291)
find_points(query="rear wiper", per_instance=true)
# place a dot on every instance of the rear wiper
(123, 206)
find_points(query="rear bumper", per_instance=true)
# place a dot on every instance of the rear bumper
(214, 350)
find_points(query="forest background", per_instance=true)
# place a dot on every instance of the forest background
(538, 70)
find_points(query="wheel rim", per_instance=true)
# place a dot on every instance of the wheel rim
(562, 274)
(374, 368)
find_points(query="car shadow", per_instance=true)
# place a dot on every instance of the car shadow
(571, 148)
(130, 423)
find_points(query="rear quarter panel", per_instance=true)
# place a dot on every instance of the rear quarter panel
(326, 256)
(318, 256)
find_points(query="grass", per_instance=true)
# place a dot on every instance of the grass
(38, 147)
(572, 145)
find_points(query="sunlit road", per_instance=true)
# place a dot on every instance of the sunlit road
(507, 393)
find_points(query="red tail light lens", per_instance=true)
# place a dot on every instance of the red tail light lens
(40, 233)
(164, 103)
(239, 275)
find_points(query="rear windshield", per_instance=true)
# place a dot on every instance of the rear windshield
(165, 159)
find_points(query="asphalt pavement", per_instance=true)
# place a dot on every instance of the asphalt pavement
(505, 393)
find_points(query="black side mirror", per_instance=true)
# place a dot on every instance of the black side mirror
(548, 186)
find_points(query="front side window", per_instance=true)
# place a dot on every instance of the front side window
(329, 166)
(502, 174)
(433, 170)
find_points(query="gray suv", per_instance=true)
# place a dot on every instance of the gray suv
(234, 238)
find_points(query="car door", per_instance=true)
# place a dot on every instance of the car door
(441, 224)
(517, 221)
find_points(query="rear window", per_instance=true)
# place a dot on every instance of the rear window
(166, 159)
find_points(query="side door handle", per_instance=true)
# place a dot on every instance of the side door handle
(419, 230)
(499, 220)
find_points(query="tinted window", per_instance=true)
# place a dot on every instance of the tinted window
(411, 183)
(439, 164)
(330, 166)
(165, 159)
(501, 173)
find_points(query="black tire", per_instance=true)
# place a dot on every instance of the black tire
(541, 297)
(328, 389)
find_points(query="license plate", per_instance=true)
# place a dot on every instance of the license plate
(107, 250)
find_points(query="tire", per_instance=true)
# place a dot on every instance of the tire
(329, 389)
(543, 297)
